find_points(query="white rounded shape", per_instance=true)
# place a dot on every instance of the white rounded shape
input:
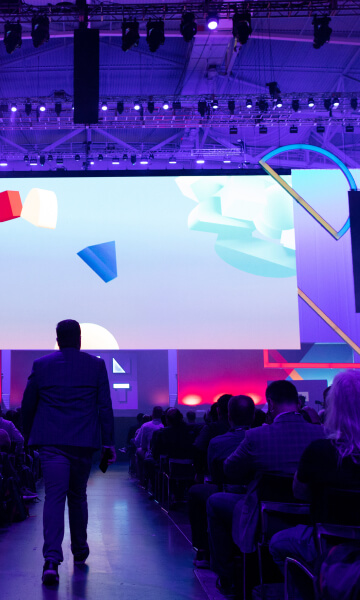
(42, 108)
(200, 161)
(212, 24)
(96, 337)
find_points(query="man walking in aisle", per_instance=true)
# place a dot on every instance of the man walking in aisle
(65, 408)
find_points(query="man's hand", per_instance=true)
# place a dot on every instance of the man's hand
(112, 457)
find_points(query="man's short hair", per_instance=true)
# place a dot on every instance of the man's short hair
(157, 412)
(191, 416)
(174, 417)
(68, 334)
(282, 392)
(222, 404)
(241, 411)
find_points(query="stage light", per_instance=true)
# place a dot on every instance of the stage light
(322, 31)
(311, 103)
(354, 103)
(188, 27)
(274, 89)
(165, 105)
(104, 106)
(130, 34)
(50, 158)
(59, 160)
(28, 108)
(33, 161)
(349, 129)
(327, 103)
(295, 105)
(144, 161)
(202, 107)
(42, 107)
(3, 161)
(249, 103)
(42, 160)
(151, 106)
(155, 36)
(215, 104)
(115, 161)
(40, 30)
(12, 36)
(176, 105)
(262, 129)
(125, 157)
(233, 130)
(242, 27)
(172, 160)
(212, 20)
(100, 158)
(263, 105)
(320, 129)
(336, 102)
(120, 107)
(226, 161)
(133, 159)
(293, 129)
(58, 108)
(13, 107)
(231, 106)
(77, 157)
(137, 105)
(26, 158)
(200, 161)
(92, 162)
(279, 102)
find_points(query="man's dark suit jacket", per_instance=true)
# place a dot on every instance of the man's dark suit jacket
(67, 401)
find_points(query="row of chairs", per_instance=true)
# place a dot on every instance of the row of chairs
(19, 472)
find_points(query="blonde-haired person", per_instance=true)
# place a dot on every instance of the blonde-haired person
(333, 462)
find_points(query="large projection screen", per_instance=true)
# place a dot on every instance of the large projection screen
(156, 262)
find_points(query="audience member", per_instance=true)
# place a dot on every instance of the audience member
(193, 426)
(5, 443)
(174, 440)
(333, 462)
(209, 431)
(241, 415)
(275, 449)
(14, 434)
(322, 412)
(133, 429)
(143, 438)
(259, 418)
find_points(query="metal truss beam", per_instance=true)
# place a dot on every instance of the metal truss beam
(63, 139)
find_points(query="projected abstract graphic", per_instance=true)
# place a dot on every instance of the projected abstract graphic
(101, 258)
(40, 207)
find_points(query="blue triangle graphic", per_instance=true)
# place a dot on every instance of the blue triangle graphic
(101, 258)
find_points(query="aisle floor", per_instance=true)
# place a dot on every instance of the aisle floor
(137, 552)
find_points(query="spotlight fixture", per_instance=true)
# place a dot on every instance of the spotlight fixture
(233, 130)
(226, 161)
(336, 102)
(327, 103)
(293, 129)
(115, 161)
(263, 105)
(354, 103)
(349, 129)
(133, 159)
(77, 157)
(172, 160)
(40, 30)
(231, 106)
(100, 158)
(137, 105)
(50, 157)
(202, 107)
(42, 160)
(130, 34)
(295, 105)
(188, 27)
(33, 161)
(176, 105)
(42, 107)
(3, 162)
(215, 104)
(279, 102)
(311, 103)
(91, 161)
(274, 89)
(58, 108)
(212, 20)
(155, 36)
(13, 107)
(120, 107)
(262, 129)
(151, 106)
(242, 27)
(28, 108)
(125, 157)
(26, 158)
(200, 161)
(249, 103)
(166, 105)
(12, 36)
(144, 161)
(322, 31)
(320, 129)
(104, 106)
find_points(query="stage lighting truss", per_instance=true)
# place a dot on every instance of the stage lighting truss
(155, 35)
(130, 34)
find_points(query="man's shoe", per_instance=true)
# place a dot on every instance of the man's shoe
(80, 559)
(201, 560)
(50, 574)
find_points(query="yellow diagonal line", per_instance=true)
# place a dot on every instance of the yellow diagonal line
(329, 322)
(299, 199)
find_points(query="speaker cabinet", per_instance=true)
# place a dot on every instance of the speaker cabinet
(354, 210)
(86, 76)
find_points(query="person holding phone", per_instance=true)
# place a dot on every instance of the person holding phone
(67, 412)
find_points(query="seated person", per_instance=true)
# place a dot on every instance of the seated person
(241, 415)
(143, 438)
(174, 440)
(274, 449)
(332, 462)
(193, 427)
(14, 434)
(133, 429)
(209, 431)
(5, 443)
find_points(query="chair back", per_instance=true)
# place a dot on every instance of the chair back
(340, 506)
(181, 468)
